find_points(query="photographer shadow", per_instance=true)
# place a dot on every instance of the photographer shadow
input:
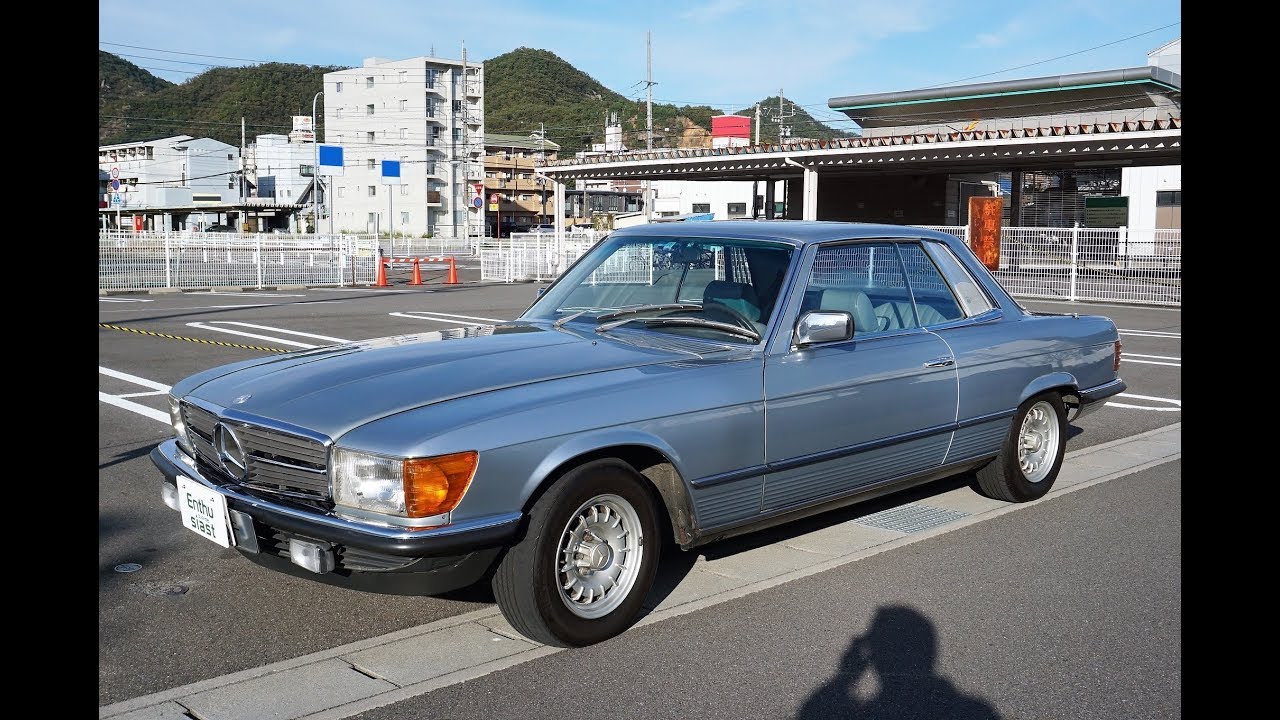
(901, 646)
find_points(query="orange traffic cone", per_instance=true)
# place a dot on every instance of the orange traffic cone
(452, 278)
(382, 273)
(417, 274)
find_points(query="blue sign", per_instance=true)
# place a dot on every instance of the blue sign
(331, 160)
(115, 199)
(390, 172)
(115, 184)
(477, 201)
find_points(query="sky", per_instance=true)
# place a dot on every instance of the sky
(728, 54)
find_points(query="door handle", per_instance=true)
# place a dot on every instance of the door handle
(943, 361)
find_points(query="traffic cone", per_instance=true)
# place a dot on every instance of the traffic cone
(452, 278)
(382, 273)
(417, 274)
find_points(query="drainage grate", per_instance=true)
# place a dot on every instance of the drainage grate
(911, 518)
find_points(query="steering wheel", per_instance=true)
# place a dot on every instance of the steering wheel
(719, 312)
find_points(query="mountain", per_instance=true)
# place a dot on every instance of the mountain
(525, 90)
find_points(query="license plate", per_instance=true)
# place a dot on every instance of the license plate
(204, 511)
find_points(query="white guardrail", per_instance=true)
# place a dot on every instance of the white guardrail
(1125, 265)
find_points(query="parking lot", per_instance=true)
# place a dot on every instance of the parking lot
(190, 611)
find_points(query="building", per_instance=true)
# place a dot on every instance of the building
(522, 197)
(175, 183)
(427, 113)
(275, 166)
(1155, 193)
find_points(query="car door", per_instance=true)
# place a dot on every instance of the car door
(847, 414)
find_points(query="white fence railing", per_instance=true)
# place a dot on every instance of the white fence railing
(530, 256)
(1125, 265)
(142, 261)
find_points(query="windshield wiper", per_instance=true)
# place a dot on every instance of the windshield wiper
(686, 321)
(647, 308)
(567, 318)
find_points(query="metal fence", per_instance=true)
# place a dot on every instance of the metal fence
(141, 261)
(530, 256)
(1125, 265)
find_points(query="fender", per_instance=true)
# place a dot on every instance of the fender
(1045, 382)
(669, 482)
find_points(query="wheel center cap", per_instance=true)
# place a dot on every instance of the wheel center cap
(1034, 442)
(598, 554)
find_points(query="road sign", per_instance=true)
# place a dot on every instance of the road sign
(390, 172)
(115, 184)
(330, 159)
(477, 201)
(115, 173)
(116, 199)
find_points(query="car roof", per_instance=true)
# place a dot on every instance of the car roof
(795, 232)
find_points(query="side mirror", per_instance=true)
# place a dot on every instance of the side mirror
(823, 326)
(541, 290)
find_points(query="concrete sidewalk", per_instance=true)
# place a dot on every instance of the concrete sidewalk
(346, 680)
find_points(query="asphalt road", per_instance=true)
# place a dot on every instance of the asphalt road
(1069, 609)
(193, 611)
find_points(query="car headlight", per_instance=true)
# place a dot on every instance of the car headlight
(404, 487)
(179, 426)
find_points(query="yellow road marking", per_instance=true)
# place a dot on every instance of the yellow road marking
(190, 339)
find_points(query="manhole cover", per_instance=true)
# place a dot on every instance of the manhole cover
(128, 567)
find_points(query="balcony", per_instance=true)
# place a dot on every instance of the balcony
(433, 198)
(473, 89)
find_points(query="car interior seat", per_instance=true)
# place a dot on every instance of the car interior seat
(854, 302)
(738, 296)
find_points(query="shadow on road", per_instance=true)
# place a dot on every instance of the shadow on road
(898, 652)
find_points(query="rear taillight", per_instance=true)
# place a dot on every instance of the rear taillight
(1115, 366)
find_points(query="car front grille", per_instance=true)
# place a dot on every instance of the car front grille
(277, 462)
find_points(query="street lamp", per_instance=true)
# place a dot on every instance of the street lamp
(315, 169)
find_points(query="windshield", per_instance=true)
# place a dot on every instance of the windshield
(703, 287)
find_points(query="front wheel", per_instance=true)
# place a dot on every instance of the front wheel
(587, 559)
(1032, 454)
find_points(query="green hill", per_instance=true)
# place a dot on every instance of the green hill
(525, 90)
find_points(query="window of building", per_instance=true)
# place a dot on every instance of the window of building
(369, 136)
(431, 77)
(737, 209)
(338, 87)
(1169, 198)
(404, 105)
(702, 207)
(342, 191)
(457, 106)
(371, 164)
(404, 218)
(368, 82)
(404, 76)
(373, 190)
(404, 189)
(230, 156)
(338, 113)
(457, 134)
(1169, 210)
(150, 153)
(431, 167)
(368, 109)
(404, 133)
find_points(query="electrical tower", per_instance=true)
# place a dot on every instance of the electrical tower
(784, 130)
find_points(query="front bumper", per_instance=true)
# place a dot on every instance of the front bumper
(444, 558)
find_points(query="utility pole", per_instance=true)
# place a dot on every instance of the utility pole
(755, 184)
(784, 131)
(315, 169)
(542, 158)
(648, 119)
(243, 214)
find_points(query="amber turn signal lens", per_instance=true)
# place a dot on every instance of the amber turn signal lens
(1115, 366)
(436, 485)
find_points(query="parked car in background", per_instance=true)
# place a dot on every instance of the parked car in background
(220, 228)
(542, 229)
(680, 384)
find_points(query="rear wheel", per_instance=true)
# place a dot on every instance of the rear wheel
(1032, 454)
(587, 560)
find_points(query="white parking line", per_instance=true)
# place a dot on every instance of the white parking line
(276, 329)
(1153, 357)
(111, 299)
(1152, 333)
(1177, 403)
(120, 401)
(441, 317)
(247, 294)
(282, 341)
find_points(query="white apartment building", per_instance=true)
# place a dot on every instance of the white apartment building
(178, 173)
(428, 114)
(726, 199)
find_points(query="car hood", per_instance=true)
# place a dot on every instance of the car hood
(334, 389)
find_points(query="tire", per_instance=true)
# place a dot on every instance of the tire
(587, 559)
(1032, 453)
